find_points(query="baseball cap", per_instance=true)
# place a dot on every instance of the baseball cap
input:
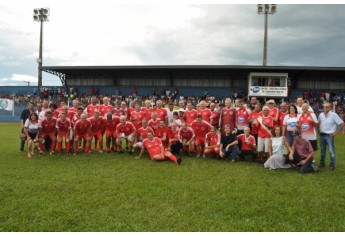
(296, 133)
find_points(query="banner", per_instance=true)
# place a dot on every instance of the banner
(6, 104)
(268, 91)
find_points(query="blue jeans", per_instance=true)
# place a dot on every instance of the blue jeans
(231, 152)
(289, 137)
(327, 139)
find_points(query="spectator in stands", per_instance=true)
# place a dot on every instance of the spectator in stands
(278, 147)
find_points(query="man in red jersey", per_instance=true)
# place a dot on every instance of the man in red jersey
(227, 115)
(110, 131)
(190, 114)
(125, 131)
(82, 131)
(124, 108)
(205, 113)
(137, 116)
(154, 121)
(105, 107)
(307, 125)
(154, 147)
(186, 136)
(148, 109)
(90, 109)
(174, 144)
(248, 147)
(48, 129)
(117, 111)
(161, 112)
(214, 115)
(130, 109)
(163, 133)
(62, 104)
(282, 113)
(265, 124)
(97, 127)
(142, 134)
(201, 128)
(63, 126)
(274, 112)
(253, 119)
(212, 142)
(73, 110)
(242, 117)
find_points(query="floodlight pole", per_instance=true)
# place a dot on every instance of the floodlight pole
(265, 41)
(40, 59)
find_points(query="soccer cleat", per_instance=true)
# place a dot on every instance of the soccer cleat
(100, 151)
(331, 168)
(179, 160)
(204, 156)
(197, 156)
(52, 153)
(68, 153)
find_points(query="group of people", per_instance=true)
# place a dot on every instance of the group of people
(280, 136)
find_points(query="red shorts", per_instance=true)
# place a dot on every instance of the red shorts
(82, 136)
(50, 135)
(199, 141)
(109, 133)
(63, 134)
(98, 134)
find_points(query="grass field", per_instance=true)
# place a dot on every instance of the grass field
(119, 193)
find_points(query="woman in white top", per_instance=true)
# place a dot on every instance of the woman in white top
(31, 127)
(276, 158)
(290, 123)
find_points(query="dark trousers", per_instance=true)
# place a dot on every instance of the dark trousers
(175, 148)
(307, 167)
(243, 153)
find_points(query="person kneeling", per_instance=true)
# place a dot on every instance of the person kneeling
(228, 144)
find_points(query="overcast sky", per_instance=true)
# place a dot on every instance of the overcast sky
(104, 33)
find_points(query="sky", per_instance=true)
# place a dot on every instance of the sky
(106, 32)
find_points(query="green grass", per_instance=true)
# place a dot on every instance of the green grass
(119, 193)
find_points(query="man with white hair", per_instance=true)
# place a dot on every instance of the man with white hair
(125, 131)
(105, 107)
(205, 112)
(161, 112)
(307, 123)
(227, 115)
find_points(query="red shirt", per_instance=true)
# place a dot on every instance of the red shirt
(75, 118)
(254, 116)
(215, 118)
(127, 129)
(201, 129)
(63, 126)
(212, 139)
(128, 112)
(82, 128)
(71, 112)
(153, 147)
(262, 131)
(242, 118)
(161, 113)
(48, 126)
(274, 112)
(174, 135)
(206, 114)
(154, 123)
(96, 124)
(190, 116)
(245, 146)
(148, 112)
(163, 133)
(228, 116)
(111, 124)
(105, 109)
(117, 112)
(281, 118)
(90, 110)
(142, 133)
(136, 118)
(188, 134)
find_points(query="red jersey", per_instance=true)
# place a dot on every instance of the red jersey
(75, 118)
(154, 123)
(110, 125)
(96, 124)
(215, 118)
(82, 128)
(90, 110)
(63, 126)
(71, 112)
(117, 112)
(142, 133)
(163, 134)
(128, 112)
(245, 146)
(174, 135)
(254, 116)
(307, 124)
(136, 118)
(262, 130)
(153, 147)
(212, 139)
(161, 113)
(48, 126)
(127, 129)
(206, 114)
(103, 109)
(148, 112)
(201, 129)
(227, 117)
(242, 118)
(56, 114)
(186, 134)
(281, 118)
(274, 112)
(190, 116)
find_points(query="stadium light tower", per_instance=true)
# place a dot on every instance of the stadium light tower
(40, 15)
(266, 9)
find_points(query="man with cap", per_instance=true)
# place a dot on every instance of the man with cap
(302, 154)
(274, 112)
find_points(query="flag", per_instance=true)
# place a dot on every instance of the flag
(6, 104)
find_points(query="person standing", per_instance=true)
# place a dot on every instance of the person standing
(23, 117)
(290, 124)
(308, 123)
(330, 125)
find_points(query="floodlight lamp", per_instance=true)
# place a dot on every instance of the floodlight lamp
(45, 11)
(259, 8)
(36, 18)
(273, 8)
(36, 11)
(267, 8)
